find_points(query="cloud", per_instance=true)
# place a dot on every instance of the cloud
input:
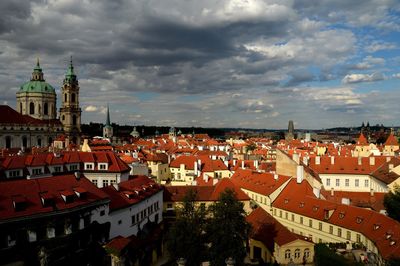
(376, 46)
(357, 78)
(397, 75)
(91, 108)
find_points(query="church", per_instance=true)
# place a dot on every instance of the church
(35, 121)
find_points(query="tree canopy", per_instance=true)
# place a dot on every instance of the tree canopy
(227, 229)
(392, 203)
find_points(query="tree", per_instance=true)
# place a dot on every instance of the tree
(186, 239)
(392, 203)
(227, 229)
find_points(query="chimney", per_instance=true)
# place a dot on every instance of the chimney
(205, 178)
(317, 160)
(332, 192)
(346, 201)
(243, 164)
(300, 174)
(77, 175)
(296, 158)
(234, 162)
(391, 166)
(195, 168)
(256, 164)
(226, 162)
(332, 159)
(359, 161)
(372, 192)
(199, 164)
(276, 176)
(372, 160)
(305, 160)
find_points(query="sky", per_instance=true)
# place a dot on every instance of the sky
(212, 63)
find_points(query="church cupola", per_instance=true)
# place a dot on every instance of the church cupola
(37, 74)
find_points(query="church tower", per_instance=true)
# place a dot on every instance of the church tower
(107, 129)
(70, 112)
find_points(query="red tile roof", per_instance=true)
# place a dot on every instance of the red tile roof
(391, 141)
(362, 140)
(298, 198)
(268, 230)
(138, 189)
(262, 183)
(30, 191)
(10, 116)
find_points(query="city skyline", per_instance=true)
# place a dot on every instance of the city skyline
(250, 64)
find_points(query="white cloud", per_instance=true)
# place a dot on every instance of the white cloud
(357, 78)
(397, 75)
(91, 108)
(376, 46)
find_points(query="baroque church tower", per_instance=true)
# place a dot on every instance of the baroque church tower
(70, 112)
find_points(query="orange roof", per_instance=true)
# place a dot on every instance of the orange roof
(391, 141)
(362, 140)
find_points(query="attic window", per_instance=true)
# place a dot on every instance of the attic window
(80, 192)
(301, 204)
(47, 199)
(315, 208)
(129, 194)
(359, 220)
(341, 215)
(388, 235)
(376, 226)
(19, 203)
(286, 201)
(392, 242)
(68, 196)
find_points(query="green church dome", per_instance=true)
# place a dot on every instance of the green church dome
(37, 86)
(37, 83)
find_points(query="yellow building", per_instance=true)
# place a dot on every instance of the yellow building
(273, 242)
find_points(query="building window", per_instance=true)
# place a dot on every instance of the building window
(286, 215)
(88, 166)
(280, 213)
(31, 236)
(8, 142)
(320, 226)
(73, 97)
(103, 166)
(358, 237)
(94, 181)
(74, 120)
(65, 97)
(366, 183)
(113, 181)
(120, 222)
(102, 212)
(73, 167)
(297, 253)
(346, 182)
(37, 171)
(14, 173)
(330, 229)
(105, 183)
(301, 219)
(292, 217)
(32, 108)
(133, 219)
(307, 253)
(348, 236)
(337, 182)
(57, 169)
(328, 182)
(356, 182)
(287, 254)
(45, 109)
(339, 232)
(310, 223)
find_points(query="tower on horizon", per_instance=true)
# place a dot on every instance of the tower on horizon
(290, 134)
(107, 129)
(70, 112)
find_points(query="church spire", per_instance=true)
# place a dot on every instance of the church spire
(70, 75)
(108, 116)
(37, 74)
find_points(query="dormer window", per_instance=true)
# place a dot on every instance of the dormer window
(376, 226)
(103, 166)
(388, 235)
(286, 201)
(341, 215)
(37, 171)
(80, 192)
(392, 243)
(47, 199)
(89, 166)
(129, 194)
(301, 204)
(73, 167)
(359, 220)
(315, 208)
(68, 196)
(19, 203)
